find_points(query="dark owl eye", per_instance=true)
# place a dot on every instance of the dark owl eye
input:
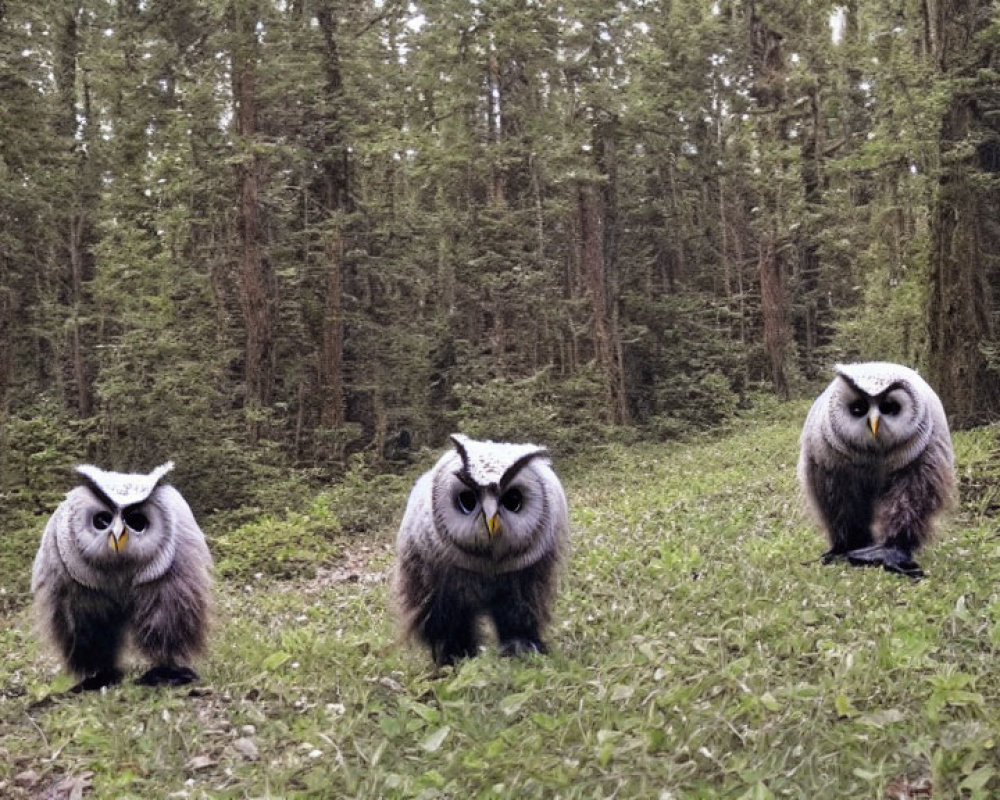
(512, 500)
(889, 407)
(859, 407)
(102, 520)
(466, 501)
(136, 521)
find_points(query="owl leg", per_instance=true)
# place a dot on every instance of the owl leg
(449, 629)
(170, 626)
(520, 609)
(89, 636)
(904, 519)
(439, 606)
(842, 498)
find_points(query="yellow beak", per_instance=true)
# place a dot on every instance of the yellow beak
(493, 525)
(873, 423)
(117, 538)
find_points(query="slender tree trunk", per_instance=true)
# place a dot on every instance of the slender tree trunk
(809, 262)
(773, 304)
(332, 367)
(81, 376)
(6, 331)
(606, 349)
(79, 227)
(606, 149)
(334, 199)
(256, 280)
(497, 191)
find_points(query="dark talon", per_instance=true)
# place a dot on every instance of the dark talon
(892, 559)
(107, 677)
(166, 675)
(909, 568)
(520, 647)
(449, 653)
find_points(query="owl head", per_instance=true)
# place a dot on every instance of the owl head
(496, 502)
(118, 519)
(878, 406)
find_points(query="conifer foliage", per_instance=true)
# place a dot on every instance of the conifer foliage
(272, 235)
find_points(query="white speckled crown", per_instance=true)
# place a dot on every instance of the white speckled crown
(874, 377)
(486, 462)
(121, 488)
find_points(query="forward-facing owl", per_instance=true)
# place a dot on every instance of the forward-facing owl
(123, 558)
(876, 464)
(482, 536)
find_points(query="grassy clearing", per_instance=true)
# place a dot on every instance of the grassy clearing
(698, 652)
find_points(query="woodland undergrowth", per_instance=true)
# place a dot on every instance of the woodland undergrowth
(699, 650)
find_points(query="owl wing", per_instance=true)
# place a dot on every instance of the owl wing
(47, 568)
(559, 520)
(49, 581)
(414, 576)
(418, 518)
(173, 608)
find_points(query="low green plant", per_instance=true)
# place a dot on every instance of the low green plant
(699, 650)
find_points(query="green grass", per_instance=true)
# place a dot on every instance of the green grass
(699, 651)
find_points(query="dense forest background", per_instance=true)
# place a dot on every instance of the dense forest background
(296, 239)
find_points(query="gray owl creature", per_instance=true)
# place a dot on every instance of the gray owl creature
(122, 554)
(483, 534)
(876, 464)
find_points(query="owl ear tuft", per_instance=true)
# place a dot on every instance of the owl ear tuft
(519, 463)
(459, 440)
(841, 372)
(122, 489)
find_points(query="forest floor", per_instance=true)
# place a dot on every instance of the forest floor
(699, 650)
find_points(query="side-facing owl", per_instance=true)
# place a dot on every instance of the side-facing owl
(876, 464)
(123, 558)
(482, 536)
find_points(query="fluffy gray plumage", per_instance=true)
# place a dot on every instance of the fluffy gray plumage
(123, 558)
(482, 535)
(876, 464)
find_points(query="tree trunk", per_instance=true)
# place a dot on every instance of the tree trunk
(963, 276)
(334, 200)
(79, 228)
(964, 356)
(606, 348)
(773, 305)
(332, 365)
(257, 285)
(809, 263)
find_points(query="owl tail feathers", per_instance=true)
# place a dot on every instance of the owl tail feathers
(891, 558)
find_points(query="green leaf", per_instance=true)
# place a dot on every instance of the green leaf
(978, 779)
(545, 721)
(434, 741)
(622, 691)
(843, 707)
(276, 659)
(879, 719)
(512, 703)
